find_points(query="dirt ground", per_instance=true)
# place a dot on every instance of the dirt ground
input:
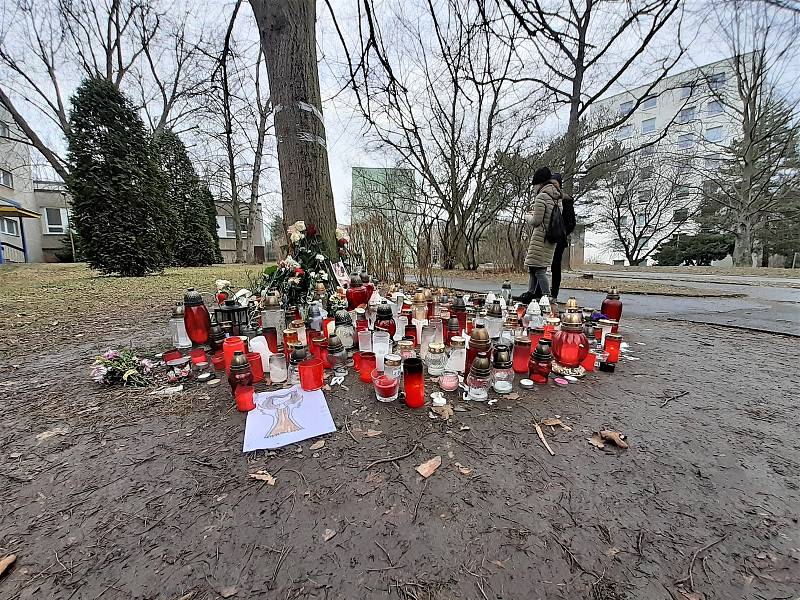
(112, 493)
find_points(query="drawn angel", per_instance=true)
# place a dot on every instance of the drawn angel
(279, 405)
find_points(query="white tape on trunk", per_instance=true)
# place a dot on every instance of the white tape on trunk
(305, 136)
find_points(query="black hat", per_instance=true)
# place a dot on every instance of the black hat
(559, 178)
(542, 175)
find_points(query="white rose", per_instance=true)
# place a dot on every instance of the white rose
(300, 226)
(295, 237)
(320, 257)
(324, 277)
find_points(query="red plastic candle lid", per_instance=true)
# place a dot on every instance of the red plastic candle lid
(561, 381)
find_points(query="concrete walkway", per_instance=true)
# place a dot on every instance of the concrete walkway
(764, 308)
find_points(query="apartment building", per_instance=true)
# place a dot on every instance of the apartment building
(679, 125)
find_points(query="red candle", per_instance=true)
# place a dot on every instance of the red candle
(414, 382)
(386, 387)
(570, 347)
(588, 362)
(198, 355)
(256, 366)
(411, 332)
(612, 346)
(171, 355)
(244, 398)
(218, 360)
(521, 355)
(612, 308)
(535, 334)
(365, 366)
(198, 322)
(271, 335)
(311, 373)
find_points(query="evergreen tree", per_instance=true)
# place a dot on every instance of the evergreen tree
(194, 244)
(118, 204)
(211, 210)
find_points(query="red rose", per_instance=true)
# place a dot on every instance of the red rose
(299, 271)
(311, 230)
(341, 241)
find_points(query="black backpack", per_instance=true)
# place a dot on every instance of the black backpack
(556, 232)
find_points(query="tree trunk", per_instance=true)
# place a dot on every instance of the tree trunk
(253, 208)
(288, 39)
(743, 244)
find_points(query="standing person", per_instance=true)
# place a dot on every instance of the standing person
(568, 212)
(540, 251)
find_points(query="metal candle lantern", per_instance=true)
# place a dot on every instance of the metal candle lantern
(239, 372)
(612, 307)
(502, 371)
(384, 319)
(505, 292)
(337, 355)
(344, 329)
(356, 294)
(272, 315)
(480, 378)
(231, 312)
(420, 306)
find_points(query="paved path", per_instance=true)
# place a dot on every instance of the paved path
(752, 280)
(766, 308)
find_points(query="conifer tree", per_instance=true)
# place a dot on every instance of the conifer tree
(118, 204)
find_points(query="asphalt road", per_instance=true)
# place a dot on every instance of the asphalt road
(764, 308)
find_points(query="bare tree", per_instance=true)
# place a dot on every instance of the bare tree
(584, 48)
(750, 175)
(439, 94)
(643, 202)
(47, 46)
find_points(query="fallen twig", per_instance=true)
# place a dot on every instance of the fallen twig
(7, 562)
(671, 398)
(689, 577)
(282, 556)
(391, 458)
(544, 441)
(347, 427)
(416, 506)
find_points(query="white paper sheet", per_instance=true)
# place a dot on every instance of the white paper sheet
(286, 417)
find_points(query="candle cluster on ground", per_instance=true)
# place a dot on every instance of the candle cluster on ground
(475, 342)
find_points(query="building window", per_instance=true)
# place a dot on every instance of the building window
(644, 197)
(716, 81)
(650, 103)
(685, 141)
(646, 172)
(5, 132)
(710, 188)
(714, 134)
(640, 220)
(714, 108)
(683, 193)
(648, 150)
(686, 115)
(617, 246)
(686, 90)
(649, 125)
(623, 221)
(680, 215)
(9, 226)
(624, 132)
(713, 162)
(55, 220)
(227, 227)
(625, 108)
(645, 243)
(6, 178)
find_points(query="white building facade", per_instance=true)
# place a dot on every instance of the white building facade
(680, 122)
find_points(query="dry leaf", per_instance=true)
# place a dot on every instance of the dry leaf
(512, 396)
(462, 469)
(46, 435)
(329, 534)
(227, 592)
(499, 563)
(427, 468)
(373, 433)
(444, 412)
(596, 441)
(613, 551)
(556, 423)
(459, 408)
(263, 476)
(317, 445)
(614, 436)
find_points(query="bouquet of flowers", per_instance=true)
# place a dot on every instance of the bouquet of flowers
(122, 366)
(298, 275)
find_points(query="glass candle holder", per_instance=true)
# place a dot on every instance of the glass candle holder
(521, 354)
(424, 342)
(271, 336)
(612, 346)
(606, 325)
(365, 340)
(290, 338)
(218, 360)
(438, 329)
(401, 321)
(436, 359)
(338, 360)
(612, 308)
(381, 346)
(540, 370)
(478, 387)
(458, 355)
(503, 379)
(244, 394)
(414, 383)
(177, 327)
(196, 317)
(387, 387)
(311, 374)
(411, 332)
(365, 366)
(198, 355)
(448, 381)
(230, 346)
(393, 365)
(277, 368)
(405, 348)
